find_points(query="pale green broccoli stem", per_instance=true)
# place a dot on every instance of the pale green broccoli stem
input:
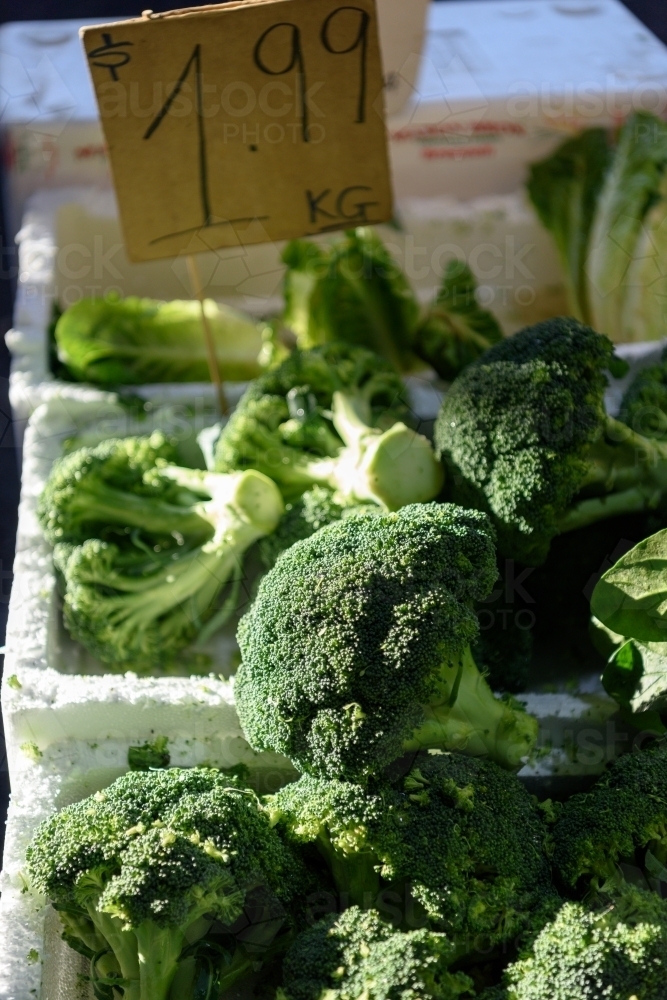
(391, 468)
(466, 716)
(110, 506)
(159, 949)
(629, 468)
(238, 499)
(124, 946)
(247, 507)
(355, 874)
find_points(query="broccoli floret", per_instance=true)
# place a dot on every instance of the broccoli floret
(303, 517)
(333, 417)
(138, 611)
(618, 830)
(617, 952)
(357, 646)
(448, 831)
(525, 436)
(113, 488)
(358, 955)
(139, 871)
(644, 405)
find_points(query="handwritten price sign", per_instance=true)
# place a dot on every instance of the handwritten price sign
(242, 123)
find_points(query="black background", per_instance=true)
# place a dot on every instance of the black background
(652, 12)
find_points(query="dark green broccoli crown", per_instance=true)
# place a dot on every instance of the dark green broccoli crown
(283, 419)
(644, 405)
(343, 643)
(617, 952)
(312, 511)
(449, 830)
(223, 821)
(620, 819)
(358, 955)
(515, 427)
(472, 846)
(86, 834)
(126, 464)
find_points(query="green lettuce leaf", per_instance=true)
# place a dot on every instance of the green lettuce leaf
(636, 676)
(456, 330)
(564, 189)
(632, 187)
(133, 341)
(631, 597)
(351, 291)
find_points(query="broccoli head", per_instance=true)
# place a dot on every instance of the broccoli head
(358, 955)
(618, 830)
(356, 648)
(617, 951)
(303, 517)
(144, 547)
(446, 833)
(138, 873)
(525, 436)
(333, 416)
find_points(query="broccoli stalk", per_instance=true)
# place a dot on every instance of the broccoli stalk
(628, 469)
(465, 715)
(391, 468)
(142, 618)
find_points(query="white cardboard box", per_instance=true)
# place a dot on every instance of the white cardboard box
(503, 82)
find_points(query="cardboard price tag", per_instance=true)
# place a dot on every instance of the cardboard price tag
(242, 123)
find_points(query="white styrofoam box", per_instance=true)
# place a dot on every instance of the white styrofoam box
(65, 693)
(35, 964)
(70, 246)
(39, 652)
(503, 82)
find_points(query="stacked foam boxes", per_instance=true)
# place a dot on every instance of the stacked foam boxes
(68, 723)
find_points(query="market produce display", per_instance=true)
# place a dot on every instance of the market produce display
(603, 196)
(354, 292)
(130, 341)
(408, 860)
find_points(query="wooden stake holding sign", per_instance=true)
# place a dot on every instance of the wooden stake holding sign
(242, 123)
